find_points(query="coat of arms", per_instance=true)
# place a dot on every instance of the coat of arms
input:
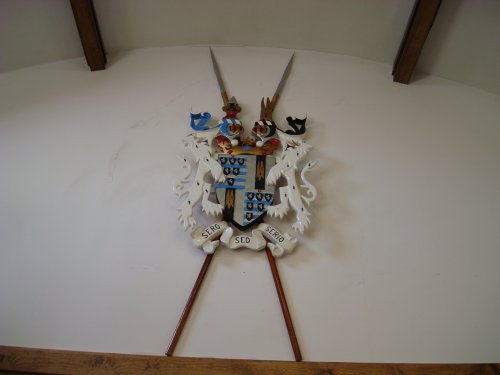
(236, 181)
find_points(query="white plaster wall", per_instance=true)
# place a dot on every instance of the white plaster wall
(36, 32)
(401, 264)
(367, 29)
(463, 46)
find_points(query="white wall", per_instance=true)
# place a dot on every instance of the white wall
(368, 29)
(401, 264)
(36, 32)
(463, 46)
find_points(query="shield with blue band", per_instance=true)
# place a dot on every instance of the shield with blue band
(245, 195)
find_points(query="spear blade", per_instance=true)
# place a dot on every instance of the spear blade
(284, 77)
(220, 82)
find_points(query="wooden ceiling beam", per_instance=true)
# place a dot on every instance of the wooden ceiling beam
(419, 25)
(86, 22)
(46, 361)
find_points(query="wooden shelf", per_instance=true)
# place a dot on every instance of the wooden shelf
(46, 361)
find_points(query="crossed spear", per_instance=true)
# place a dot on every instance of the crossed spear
(267, 107)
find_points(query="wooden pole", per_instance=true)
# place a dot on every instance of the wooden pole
(284, 306)
(419, 26)
(189, 305)
(90, 36)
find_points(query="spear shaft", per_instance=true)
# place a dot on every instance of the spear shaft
(284, 306)
(189, 304)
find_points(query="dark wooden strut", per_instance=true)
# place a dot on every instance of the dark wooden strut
(417, 30)
(189, 305)
(90, 36)
(284, 306)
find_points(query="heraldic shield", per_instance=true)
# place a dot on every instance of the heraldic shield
(245, 195)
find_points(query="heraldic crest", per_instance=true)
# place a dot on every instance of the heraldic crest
(236, 178)
(245, 170)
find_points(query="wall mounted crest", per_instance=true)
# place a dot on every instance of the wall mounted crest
(236, 181)
(244, 171)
